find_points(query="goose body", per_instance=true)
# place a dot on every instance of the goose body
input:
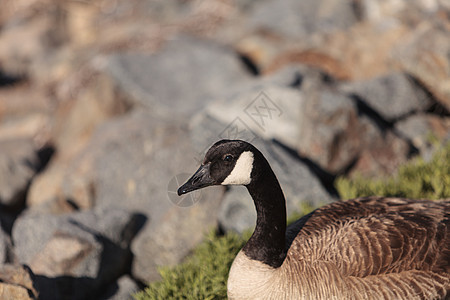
(365, 248)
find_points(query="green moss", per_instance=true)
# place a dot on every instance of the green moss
(204, 274)
(417, 179)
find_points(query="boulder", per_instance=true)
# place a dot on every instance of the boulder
(423, 53)
(300, 19)
(17, 283)
(181, 78)
(134, 162)
(75, 255)
(392, 96)
(18, 164)
(421, 129)
(270, 107)
(338, 135)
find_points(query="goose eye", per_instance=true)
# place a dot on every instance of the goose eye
(228, 157)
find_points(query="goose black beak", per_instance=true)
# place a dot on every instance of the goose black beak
(200, 179)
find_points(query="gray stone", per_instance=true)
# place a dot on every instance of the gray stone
(122, 289)
(169, 237)
(424, 54)
(82, 252)
(336, 135)
(300, 19)
(420, 129)
(392, 96)
(18, 165)
(268, 110)
(137, 162)
(299, 184)
(181, 78)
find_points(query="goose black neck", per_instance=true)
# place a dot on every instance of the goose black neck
(267, 243)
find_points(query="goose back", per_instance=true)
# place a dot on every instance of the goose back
(377, 247)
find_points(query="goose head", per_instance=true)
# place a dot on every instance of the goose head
(227, 162)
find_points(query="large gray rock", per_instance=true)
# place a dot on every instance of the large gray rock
(181, 78)
(392, 96)
(424, 54)
(169, 237)
(75, 255)
(271, 107)
(300, 185)
(18, 165)
(337, 136)
(299, 19)
(137, 162)
(421, 128)
(270, 111)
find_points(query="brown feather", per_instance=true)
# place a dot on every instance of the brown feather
(389, 248)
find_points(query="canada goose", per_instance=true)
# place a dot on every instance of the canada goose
(365, 248)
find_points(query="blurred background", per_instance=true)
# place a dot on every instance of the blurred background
(106, 107)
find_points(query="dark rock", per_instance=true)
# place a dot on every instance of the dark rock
(18, 165)
(82, 252)
(181, 78)
(392, 96)
(5, 246)
(300, 19)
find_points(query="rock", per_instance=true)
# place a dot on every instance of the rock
(16, 283)
(300, 185)
(377, 11)
(75, 255)
(336, 133)
(270, 107)
(423, 53)
(299, 19)
(421, 128)
(74, 122)
(18, 165)
(122, 289)
(270, 111)
(197, 71)
(392, 96)
(25, 112)
(131, 158)
(131, 162)
(29, 37)
(169, 237)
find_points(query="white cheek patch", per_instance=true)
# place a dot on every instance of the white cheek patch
(242, 170)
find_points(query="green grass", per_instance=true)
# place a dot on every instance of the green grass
(203, 275)
(417, 179)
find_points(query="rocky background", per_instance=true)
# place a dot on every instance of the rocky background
(106, 106)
